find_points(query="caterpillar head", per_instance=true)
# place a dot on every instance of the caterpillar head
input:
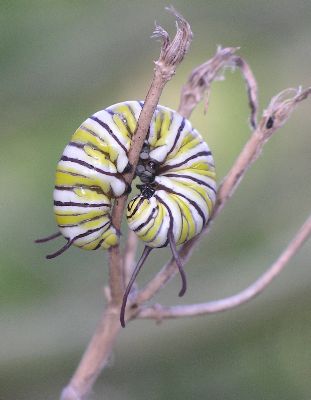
(147, 168)
(146, 190)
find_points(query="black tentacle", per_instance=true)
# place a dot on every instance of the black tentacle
(46, 239)
(178, 262)
(60, 251)
(138, 267)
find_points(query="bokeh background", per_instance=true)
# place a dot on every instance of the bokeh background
(61, 61)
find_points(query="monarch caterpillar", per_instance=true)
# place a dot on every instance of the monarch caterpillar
(177, 189)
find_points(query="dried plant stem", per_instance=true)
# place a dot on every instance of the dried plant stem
(246, 158)
(278, 111)
(95, 357)
(159, 312)
(116, 278)
(201, 78)
(172, 52)
(101, 344)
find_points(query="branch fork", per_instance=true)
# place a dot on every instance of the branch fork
(197, 87)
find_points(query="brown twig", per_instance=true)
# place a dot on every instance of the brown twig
(95, 357)
(100, 346)
(159, 312)
(278, 111)
(172, 53)
(201, 78)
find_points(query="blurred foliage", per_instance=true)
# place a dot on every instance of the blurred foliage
(63, 60)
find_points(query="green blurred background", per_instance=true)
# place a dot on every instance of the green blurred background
(60, 62)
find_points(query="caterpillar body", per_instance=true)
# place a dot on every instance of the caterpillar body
(177, 190)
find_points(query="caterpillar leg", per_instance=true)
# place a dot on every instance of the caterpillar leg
(179, 264)
(138, 267)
